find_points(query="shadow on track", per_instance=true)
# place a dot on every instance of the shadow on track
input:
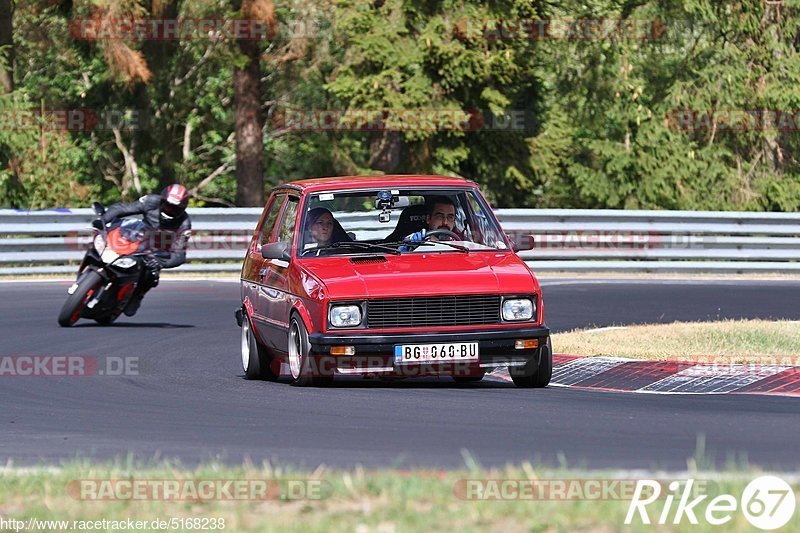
(413, 383)
(159, 325)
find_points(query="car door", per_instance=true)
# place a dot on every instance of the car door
(253, 268)
(275, 296)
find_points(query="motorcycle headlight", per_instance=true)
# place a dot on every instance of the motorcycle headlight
(99, 243)
(125, 262)
(345, 316)
(515, 309)
(108, 256)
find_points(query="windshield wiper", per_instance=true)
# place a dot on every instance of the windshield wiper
(458, 247)
(357, 244)
(428, 243)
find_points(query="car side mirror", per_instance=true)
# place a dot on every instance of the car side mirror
(98, 208)
(276, 250)
(521, 245)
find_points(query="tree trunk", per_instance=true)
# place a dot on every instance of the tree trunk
(9, 161)
(249, 137)
(384, 149)
(7, 46)
(159, 54)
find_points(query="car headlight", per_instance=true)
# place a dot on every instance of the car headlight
(125, 262)
(345, 316)
(518, 309)
(99, 243)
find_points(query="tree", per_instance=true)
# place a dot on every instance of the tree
(247, 100)
(6, 46)
(599, 114)
(422, 57)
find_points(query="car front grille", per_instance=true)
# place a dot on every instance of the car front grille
(464, 310)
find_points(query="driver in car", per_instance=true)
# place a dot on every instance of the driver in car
(441, 215)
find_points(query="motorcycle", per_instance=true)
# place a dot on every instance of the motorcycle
(109, 273)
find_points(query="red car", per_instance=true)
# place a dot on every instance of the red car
(395, 276)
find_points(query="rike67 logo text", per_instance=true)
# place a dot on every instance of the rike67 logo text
(768, 502)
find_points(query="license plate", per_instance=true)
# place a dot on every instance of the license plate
(435, 353)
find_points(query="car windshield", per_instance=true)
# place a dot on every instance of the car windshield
(399, 221)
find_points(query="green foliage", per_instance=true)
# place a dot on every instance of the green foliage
(610, 141)
(600, 128)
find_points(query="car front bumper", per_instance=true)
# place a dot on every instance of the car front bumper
(374, 353)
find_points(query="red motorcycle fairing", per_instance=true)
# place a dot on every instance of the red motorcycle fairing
(120, 244)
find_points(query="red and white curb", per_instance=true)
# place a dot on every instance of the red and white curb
(670, 377)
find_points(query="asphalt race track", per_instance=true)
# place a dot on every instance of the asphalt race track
(190, 402)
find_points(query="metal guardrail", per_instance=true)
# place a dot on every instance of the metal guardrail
(53, 241)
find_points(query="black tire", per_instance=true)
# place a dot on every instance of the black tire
(256, 361)
(533, 375)
(76, 302)
(305, 372)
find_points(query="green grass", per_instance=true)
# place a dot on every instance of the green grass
(355, 500)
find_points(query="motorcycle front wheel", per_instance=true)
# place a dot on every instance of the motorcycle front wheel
(76, 302)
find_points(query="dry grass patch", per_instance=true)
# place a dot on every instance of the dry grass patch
(737, 341)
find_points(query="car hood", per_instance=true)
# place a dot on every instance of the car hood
(422, 274)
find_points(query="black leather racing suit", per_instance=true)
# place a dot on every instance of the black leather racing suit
(166, 235)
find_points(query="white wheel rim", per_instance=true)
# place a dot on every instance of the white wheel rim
(294, 351)
(245, 344)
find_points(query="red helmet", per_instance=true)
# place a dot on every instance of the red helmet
(174, 200)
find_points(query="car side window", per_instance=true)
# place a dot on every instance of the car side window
(461, 216)
(269, 219)
(480, 229)
(289, 220)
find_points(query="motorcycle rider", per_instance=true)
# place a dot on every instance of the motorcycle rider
(168, 227)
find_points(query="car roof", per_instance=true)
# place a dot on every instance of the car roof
(388, 181)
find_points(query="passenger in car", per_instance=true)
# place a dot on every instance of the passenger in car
(322, 228)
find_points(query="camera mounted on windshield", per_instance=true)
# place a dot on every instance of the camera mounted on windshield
(385, 202)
